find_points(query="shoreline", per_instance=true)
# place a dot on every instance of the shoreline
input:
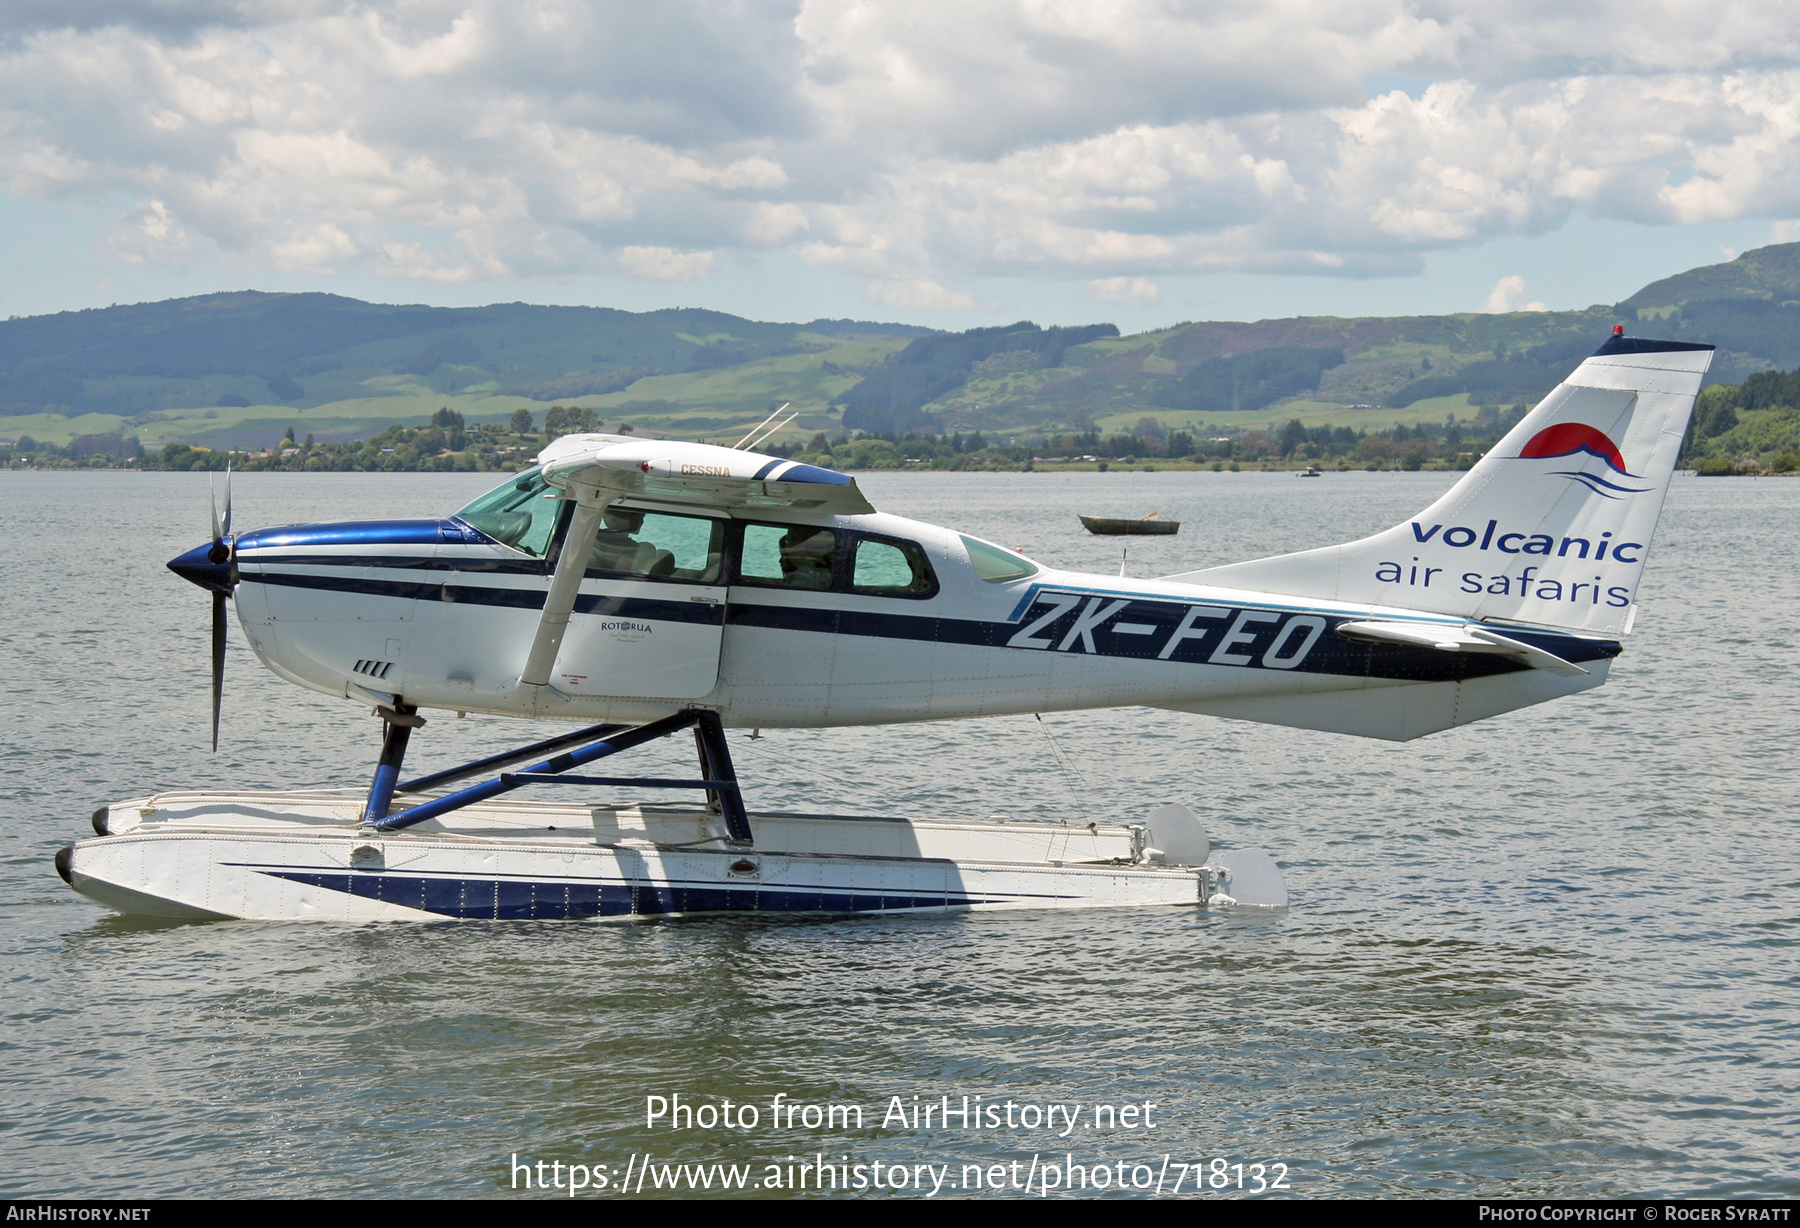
(1121, 467)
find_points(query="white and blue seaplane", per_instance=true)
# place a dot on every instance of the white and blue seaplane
(642, 588)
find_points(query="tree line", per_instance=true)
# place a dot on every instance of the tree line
(449, 444)
(445, 444)
(1750, 428)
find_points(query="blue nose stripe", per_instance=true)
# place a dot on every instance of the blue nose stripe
(361, 533)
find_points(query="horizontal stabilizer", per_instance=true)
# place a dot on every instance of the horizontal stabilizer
(1466, 638)
(1537, 658)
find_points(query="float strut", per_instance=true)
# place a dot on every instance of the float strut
(715, 764)
(559, 765)
(494, 763)
(399, 722)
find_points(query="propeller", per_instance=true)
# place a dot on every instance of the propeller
(220, 553)
(210, 567)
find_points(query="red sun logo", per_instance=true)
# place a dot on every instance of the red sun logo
(1568, 438)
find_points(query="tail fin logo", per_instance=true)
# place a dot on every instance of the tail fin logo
(1572, 438)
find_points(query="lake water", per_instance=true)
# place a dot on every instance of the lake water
(1552, 954)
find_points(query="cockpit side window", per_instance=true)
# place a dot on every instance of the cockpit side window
(521, 514)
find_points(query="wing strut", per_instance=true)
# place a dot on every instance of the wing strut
(559, 603)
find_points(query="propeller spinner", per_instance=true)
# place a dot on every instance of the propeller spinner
(211, 568)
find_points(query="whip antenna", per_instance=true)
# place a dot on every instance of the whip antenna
(759, 426)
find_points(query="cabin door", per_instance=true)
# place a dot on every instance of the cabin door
(650, 620)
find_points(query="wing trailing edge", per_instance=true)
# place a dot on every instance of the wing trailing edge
(696, 475)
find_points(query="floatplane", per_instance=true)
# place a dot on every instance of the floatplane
(640, 589)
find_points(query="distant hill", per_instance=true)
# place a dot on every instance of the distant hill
(302, 351)
(1365, 371)
(239, 369)
(1767, 273)
(1196, 376)
(892, 397)
(1748, 307)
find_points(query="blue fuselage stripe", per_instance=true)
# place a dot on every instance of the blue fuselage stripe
(1152, 623)
(516, 598)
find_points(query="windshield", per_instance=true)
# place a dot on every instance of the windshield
(996, 565)
(521, 514)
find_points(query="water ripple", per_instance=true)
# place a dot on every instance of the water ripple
(1552, 955)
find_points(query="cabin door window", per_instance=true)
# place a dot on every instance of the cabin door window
(650, 620)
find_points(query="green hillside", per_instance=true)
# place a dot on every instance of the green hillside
(1359, 372)
(238, 370)
(1767, 273)
(1748, 428)
(1748, 307)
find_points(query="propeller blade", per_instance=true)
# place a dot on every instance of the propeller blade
(227, 525)
(212, 493)
(218, 662)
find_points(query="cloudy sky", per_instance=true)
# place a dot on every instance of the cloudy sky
(951, 163)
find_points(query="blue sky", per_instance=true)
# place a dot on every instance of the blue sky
(952, 164)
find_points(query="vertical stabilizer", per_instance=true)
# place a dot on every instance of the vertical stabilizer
(1550, 527)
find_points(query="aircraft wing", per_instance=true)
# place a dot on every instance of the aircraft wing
(606, 467)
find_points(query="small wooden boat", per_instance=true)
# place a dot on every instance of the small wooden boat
(1117, 526)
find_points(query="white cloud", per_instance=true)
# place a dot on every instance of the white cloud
(150, 234)
(1509, 294)
(415, 262)
(1131, 291)
(317, 248)
(909, 144)
(665, 263)
(770, 224)
(920, 294)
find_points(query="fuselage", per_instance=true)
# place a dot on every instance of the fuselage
(792, 619)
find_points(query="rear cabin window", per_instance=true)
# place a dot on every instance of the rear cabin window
(658, 546)
(788, 556)
(887, 568)
(521, 514)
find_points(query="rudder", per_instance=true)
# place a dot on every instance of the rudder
(1551, 527)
